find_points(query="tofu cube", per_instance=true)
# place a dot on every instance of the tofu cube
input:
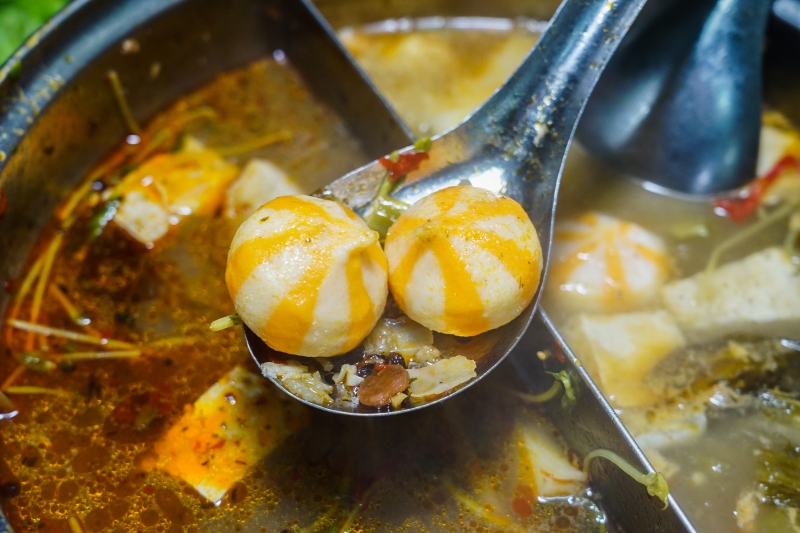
(227, 431)
(545, 465)
(663, 426)
(259, 182)
(619, 350)
(170, 186)
(759, 294)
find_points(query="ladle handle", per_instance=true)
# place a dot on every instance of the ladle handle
(534, 115)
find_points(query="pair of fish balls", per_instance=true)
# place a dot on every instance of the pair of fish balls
(310, 278)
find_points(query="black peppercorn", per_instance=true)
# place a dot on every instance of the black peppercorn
(397, 359)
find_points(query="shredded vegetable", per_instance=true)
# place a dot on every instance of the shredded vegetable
(655, 482)
(74, 314)
(482, 511)
(66, 334)
(13, 377)
(36, 390)
(74, 525)
(225, 322)
(569, 399)
(776, 215)
(383, 210)
(77, 356)
(122, 102)
(272, 138)
(547, 395)
(38, 294)
(22, 293)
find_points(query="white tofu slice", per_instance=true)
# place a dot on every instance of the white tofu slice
(759, 294)
(619, 351)
(167, 187)
(143, 219)
(259, 182)
(658, 428)
(545, 465)
(227, 431)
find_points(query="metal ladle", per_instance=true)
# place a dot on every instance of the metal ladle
(680, 103)
(515, 145)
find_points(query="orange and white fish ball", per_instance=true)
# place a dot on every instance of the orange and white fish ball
(605, 264)
(463, 260)
(307, 276)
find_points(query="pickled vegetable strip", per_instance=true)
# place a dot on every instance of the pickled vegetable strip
(7, 409)
(547, 395)
(19, 298)
(272, 138)
(169, 342)
(77, 356)
(779, 214)
(122, 102)
(165, 137)
(345, 527)
(65, 214)
(74, 314)
(66, 334)
(36, 390)
(74, 525)
(12, 377)
(38, 295)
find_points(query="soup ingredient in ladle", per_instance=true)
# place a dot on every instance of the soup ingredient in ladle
(463, 261)
(308, 276)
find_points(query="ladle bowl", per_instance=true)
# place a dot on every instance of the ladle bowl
(515, 145)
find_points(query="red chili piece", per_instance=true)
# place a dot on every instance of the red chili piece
(521, 507)
(557, 353)
(405, 163)
(739, 209)
(522, 503)
(3, 203)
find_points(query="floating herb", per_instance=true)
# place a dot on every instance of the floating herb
(225, 322)
(655, 482)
